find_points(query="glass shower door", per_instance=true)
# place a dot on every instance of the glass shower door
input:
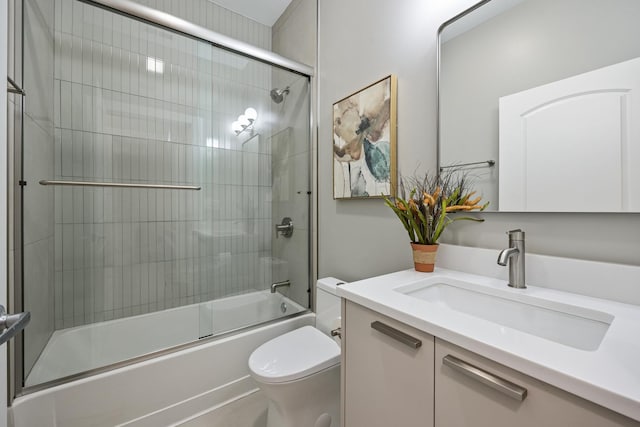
(149, 213)
(291, 178)
(274, 175)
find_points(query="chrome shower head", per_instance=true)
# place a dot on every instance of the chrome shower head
(277, 95)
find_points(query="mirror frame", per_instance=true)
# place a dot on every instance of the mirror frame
(438, 71)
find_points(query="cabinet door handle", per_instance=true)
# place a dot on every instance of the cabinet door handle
(500, 384)
(396, 334)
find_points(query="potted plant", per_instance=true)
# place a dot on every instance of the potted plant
(432, 203)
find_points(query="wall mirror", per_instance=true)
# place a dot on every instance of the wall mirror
(539, 102)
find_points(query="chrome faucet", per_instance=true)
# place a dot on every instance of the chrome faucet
(514, 255)
(277, 285)
(285, 227)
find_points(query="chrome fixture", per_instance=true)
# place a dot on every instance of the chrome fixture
(512, 390)
(514, 255)
(14, 88)
(11, 324)
(489, 163)
(285, 227)
(277, 95)
(148, 14)
(245, 121)
(275, 286)
(337, 332)
(396, 334)
(120, 184)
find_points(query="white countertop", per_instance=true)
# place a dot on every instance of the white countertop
(608, 376)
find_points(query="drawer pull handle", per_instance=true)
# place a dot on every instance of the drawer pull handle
(396, 334)
(500, 384)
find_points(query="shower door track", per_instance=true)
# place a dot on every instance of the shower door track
(174, 23)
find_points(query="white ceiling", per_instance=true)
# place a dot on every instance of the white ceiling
(264, 11)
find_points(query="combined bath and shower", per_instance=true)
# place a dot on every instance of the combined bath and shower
(278, 95)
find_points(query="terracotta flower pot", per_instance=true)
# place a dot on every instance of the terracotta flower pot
(424, 257)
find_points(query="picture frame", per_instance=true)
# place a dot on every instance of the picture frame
(364, 142)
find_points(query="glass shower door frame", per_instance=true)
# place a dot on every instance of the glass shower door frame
(17, 184)
(170, 23)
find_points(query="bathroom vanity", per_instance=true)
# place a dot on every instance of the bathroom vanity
(458, 349)
(374, 394)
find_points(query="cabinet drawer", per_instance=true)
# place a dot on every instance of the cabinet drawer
(387, 371)
(480, 393)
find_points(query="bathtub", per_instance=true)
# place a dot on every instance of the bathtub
(162, 390)
(83, 348)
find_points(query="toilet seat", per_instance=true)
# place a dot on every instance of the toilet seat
(294, 355)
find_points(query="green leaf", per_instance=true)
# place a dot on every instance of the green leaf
(409, 215)
(467, 218)
(441, 223)
(401, 216)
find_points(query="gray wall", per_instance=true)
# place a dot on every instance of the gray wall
(361, 41)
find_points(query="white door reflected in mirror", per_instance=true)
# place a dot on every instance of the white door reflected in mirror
(505, 47)
(571, 145)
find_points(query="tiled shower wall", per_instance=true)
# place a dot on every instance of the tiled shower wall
(121, 252)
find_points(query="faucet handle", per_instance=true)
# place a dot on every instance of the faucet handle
(517, 234)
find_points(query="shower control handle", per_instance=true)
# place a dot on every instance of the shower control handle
(11, 324)
(285, 227)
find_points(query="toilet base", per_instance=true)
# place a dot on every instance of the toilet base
(274, 418)
(310, 402)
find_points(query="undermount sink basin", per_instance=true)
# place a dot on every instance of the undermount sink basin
(566, 324)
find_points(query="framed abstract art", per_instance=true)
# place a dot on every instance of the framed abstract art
(364, 142)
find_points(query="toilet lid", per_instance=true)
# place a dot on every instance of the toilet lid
(294, 355)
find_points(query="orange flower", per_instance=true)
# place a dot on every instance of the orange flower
(428, 199)
(473, 202)
(436, 193)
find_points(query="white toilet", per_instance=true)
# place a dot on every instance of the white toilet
(299, 372)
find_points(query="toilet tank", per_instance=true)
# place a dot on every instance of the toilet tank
(327, 304)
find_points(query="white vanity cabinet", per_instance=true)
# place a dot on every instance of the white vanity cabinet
(387, 371)
(396, 375)
(473, 391)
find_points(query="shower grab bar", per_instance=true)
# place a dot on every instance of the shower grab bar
(167, 20)
(489, 163)
(11, 324)
(14, 88)
(120, 184)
